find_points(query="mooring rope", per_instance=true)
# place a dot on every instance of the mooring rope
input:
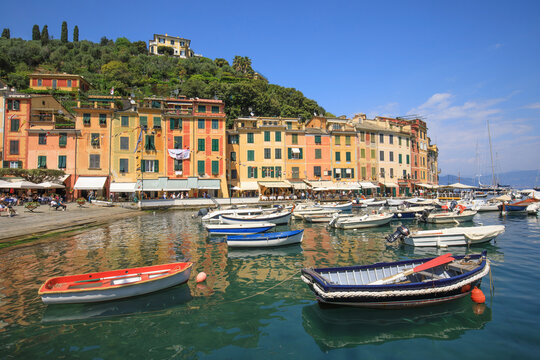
(270, 288)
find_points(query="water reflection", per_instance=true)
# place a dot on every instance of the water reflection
(159, 301)
(335, 328)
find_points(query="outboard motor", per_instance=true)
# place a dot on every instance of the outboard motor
(453, 205)
(401, 233)
(202, 212)
(424, 215)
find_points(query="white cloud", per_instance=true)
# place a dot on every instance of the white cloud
(533, 106)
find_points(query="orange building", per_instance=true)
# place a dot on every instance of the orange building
(52, 138)
(65, 82)
(318, 150)
(16, 125)
(93, 119)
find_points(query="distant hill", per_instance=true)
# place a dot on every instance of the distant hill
(522, 179)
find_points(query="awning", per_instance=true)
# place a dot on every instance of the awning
(367, 185)
(24, 185)
(275, 184)
(389, 184)
(150, 185)
(249, 186)
(4, 184)
(460, 186)
(299, 185)
(427, 186)
(295, 150)
(208, 184)
(51, 185)
(177, 185)
(128, 187)
(90, 183)
(321, 184)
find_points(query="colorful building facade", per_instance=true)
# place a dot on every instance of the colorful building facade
(179, 46)
(16, 125)
(65, 82)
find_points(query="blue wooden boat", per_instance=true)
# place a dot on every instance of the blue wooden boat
(518, 206)
(396, 285)
(238, 228)
(266, 239)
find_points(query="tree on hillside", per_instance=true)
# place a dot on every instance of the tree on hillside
(44, 35)
(221, 62)
(242, 64)
(36, 35)
(165, 50)
(5, 33)
(76, 34)
(64, 34)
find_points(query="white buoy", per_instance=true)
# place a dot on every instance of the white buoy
(200, 277)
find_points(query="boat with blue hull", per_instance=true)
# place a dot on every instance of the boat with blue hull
(266, 239)
(401, 284)
(410, 213)
(239, 228)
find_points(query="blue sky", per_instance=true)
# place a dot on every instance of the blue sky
(456, 63)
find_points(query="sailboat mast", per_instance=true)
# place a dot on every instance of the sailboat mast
(491, 154)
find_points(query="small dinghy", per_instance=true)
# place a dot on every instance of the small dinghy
(358, 222)
(278, 218)
(266, 239)
(447, 217)
(399, 284)
(239, 228)
(456, 236)
(114, 284)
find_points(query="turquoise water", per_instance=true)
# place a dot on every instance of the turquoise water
(254, 304)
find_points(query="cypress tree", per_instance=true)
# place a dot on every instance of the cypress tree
(36, 35)
(64, 34)
(44, 35)
(5, 33)
(76, 34)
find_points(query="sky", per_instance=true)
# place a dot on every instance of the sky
(457, 64)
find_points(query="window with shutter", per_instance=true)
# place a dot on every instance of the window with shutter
(102, 119)
(124, 165)
(94, 161)
(14, 147)
(233, 156)
(250, 138)
(15, 124)
(177, 142)
(200, 167)
(215, 144)
(317, 139)
(94, 140)
(215, 124)
(149, 143)
(62, 140)
(215, 109)
(42, 162)
(157, 122)
(277, 154)
(215, 167)
(42, 139)
(156, 165)
(124, 143)
(124, 121)
(267, 153)
(251, 155)
(337, 139)
(143, 121)
(278, 136)
(267, 136)
(178, 165)
(200, 124)
(201, 144)
(86, 119)
(62, 163)
(338, 156)
(295, 139)
(348, 156)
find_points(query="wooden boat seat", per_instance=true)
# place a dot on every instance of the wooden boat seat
(430, 275)
(462, 267)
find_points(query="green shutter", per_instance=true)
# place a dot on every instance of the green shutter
(289, 152)
(156, 165)
(62, 140)
(215, 167)
(301, 153)
(143, 121)
(348, 156)
(250, 138)
(400, 157)
(157, 122)
(201, 145)
(172, 124)
(143, 168)
(215, 144)
(6, 164)
(278, 135)
(255, 173)
(249, 172)
(200, 167)
(267, 136)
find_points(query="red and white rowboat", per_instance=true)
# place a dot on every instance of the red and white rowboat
(114, 284)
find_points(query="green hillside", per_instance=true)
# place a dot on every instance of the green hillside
(128, 68)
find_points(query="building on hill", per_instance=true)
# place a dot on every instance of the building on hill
(180, 46)
(65, 82)
(15, 130)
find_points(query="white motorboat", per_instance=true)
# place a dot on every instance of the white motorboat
(364, 221)
(448, 217)
(337, 206)
(215, 214)
(456, 236)
(394, 202)
(533, 209)
(482, 206)
(377, 203)
(278, 218)
(325, 217)
(238, 228)
(298, 214)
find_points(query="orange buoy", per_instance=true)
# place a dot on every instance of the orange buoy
(466, 288)
(200, 277)
(478, 296)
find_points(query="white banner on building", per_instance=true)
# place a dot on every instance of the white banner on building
(179, 154)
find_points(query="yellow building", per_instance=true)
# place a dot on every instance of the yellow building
(366, 133)
(179, 46)
(295, 143)
(343, 149)
(65, 82)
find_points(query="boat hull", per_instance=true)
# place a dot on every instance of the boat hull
(451, 237)
(349, 223)
(450, 218)
(342, 207)
(237, 229)
(351, 286)
(270, 218)
(121, 286)
(266, 240)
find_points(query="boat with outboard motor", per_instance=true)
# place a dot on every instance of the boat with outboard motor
(362, 221)
(456, 236)
(400, 284)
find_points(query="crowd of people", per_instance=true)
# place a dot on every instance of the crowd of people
(8, 201)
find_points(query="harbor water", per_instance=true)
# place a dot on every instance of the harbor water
(254, 305)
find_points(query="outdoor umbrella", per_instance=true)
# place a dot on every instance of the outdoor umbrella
(4, 184)
(24, 185)
(51, 185)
